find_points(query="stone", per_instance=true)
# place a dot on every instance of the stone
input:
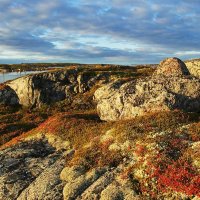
(194, 67)
(47, 185)
(112, 192)
(71, 173)
(76, 187)
(43, 88)
(31, 170)
(171, 67)
(119, 100)
(94, 191)
(49, 87)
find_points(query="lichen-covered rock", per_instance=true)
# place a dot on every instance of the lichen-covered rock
(45, 88)
(194, 149)
(94, 190)
(97, 183)
(30, 170)
(47, 185)
(194, 67)
(120, 100)
(76, 187)
(141, 97)
(171, 67)
(112, 192)
(71, 173)
(8, 96)
(36, 89)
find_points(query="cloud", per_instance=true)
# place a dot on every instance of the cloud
(124, 31)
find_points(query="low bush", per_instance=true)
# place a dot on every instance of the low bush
(180, 176)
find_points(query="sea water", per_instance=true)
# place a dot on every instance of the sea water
(13, 75)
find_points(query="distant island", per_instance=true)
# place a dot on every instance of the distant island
(31, 66)
(46, 66)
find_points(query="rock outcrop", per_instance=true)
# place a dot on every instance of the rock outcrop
(31, 170)
(163, 92)
(171, 67)
(194, 67)
(99, 183)
(45, 88)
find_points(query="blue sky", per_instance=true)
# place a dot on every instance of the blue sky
(98, 31)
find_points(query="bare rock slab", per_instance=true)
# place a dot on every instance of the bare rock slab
(31, 170)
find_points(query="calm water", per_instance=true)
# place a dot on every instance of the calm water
(13, 75)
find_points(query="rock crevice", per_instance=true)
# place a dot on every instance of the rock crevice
(30, 170)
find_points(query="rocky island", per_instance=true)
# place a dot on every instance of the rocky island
(102, 132)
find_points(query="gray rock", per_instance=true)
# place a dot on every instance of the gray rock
(194, 67)
(45, 88)
(171, 67)
(112, 192)
(120, 100)
(47, 185)
(94, 191)
(35, 90)
(76, 187)
(30, 170)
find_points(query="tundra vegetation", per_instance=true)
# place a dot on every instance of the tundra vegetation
(156, 156)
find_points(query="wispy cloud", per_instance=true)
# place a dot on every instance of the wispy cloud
(114, 31)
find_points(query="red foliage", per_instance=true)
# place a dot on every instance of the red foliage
(105, 144)
(51, 125)
(140, 150)
(180, 176)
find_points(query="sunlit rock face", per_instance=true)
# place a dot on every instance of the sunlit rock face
(166, 90)
(46, 88)
(194, 67)
(34, 90)
(171, 67)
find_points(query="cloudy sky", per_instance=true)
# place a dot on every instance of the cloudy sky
(98, 31)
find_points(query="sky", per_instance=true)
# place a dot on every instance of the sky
(98, 31)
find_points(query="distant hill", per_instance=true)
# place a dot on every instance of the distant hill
(33, 66)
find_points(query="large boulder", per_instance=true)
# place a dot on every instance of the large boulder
(171, 67)
(120, 100)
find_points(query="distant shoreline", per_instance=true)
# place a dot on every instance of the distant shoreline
(25, 67)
